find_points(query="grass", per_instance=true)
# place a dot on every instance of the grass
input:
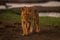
(49, 21)
(42, 20)
(11, 16)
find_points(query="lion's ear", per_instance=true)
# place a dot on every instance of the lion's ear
(23, 8)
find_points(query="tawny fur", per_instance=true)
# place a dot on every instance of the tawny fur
(28, 15)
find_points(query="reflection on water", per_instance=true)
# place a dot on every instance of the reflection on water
(48, 4)
(51, 14)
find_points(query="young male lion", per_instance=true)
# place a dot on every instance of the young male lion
(29, 18)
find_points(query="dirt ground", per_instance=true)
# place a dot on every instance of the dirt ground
(14, 33)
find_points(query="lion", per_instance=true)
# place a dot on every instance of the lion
(29, 18)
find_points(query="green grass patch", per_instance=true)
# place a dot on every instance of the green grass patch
(11, 15)
(49, 21)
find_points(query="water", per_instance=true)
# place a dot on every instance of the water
(51, 14)
(48, 4)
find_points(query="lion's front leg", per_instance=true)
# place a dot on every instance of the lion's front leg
(30, 29)
(25, 30)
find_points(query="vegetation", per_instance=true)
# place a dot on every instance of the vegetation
(51, 21)
(42, 20)
(12, 15)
